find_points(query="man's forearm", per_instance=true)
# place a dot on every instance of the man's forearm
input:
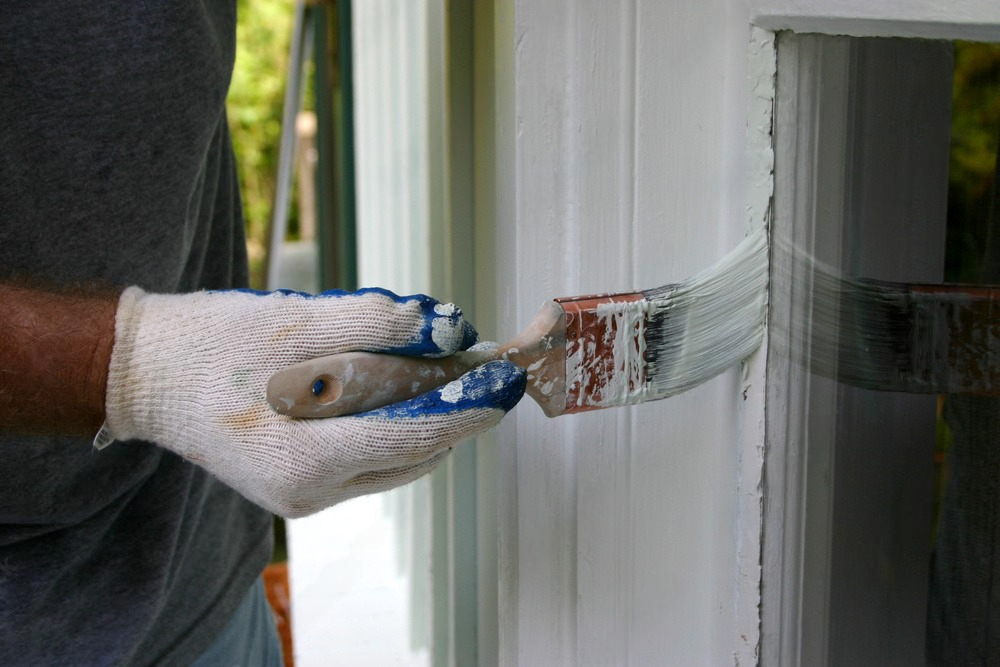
(54, 354)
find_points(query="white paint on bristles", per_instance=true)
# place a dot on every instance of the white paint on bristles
(679, 337)
(710, 322)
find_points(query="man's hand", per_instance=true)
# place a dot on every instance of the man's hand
(189, 373)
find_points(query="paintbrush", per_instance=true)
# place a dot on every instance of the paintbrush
(580, 353)
(893, 336)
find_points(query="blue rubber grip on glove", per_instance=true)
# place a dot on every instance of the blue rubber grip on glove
(496, 385)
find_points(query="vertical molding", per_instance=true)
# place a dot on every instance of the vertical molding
(485, 71)
(430, 174)
(547, 238)
(606, 50)
(796, 553)
(456, 271)
(436, 161)
(499, 249)
(759, 178)
(396, 166)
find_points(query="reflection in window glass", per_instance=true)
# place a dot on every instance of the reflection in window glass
(882, 506)
(963, 624)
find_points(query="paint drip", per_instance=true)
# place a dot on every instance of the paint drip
(613, 360)
(446, 327)
(452, 392)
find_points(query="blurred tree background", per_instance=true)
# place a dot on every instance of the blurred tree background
(975, 129)
(256, 96)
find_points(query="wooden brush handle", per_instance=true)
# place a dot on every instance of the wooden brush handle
(343, 384)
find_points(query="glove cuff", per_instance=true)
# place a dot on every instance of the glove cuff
(119, 404)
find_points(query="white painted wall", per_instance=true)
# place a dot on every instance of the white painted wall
(633, 536)
(627, 148)
(620, 530)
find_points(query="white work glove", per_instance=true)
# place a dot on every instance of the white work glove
(189, 373)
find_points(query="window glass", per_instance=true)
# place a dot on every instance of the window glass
(882, 505)
(963, 621)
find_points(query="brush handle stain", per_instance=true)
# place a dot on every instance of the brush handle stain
(351, 382)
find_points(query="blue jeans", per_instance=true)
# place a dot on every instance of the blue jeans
(250, 639)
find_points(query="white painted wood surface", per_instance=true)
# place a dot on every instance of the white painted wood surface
(955, 19)
(617, 153)
(620, 538)
(631, 537)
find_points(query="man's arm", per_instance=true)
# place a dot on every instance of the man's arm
(54, 354)
(189, 372)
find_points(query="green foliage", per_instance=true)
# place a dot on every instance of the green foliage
(975, 129)
(975, 116)
(255, 101)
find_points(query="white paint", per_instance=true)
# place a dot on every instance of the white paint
(618, 528)
(444, 332)
(629, 383)
(956, 19)
(642, 155)
(759, 188)
(714, 319)
(445, 309)
(452, 392)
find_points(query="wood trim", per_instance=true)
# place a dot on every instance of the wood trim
(977, 20)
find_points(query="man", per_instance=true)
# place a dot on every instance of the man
(116, 171)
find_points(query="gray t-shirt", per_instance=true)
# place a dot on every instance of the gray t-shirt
(116, 166)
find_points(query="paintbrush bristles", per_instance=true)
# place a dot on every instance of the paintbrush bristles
(890, 336)
(700, 327)
(856, 330)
